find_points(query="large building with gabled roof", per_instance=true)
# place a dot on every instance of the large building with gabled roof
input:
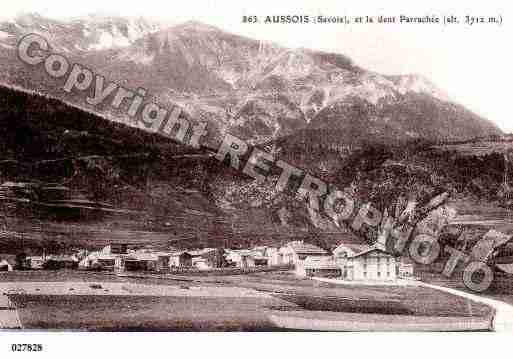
(365, 263)
(296, 252)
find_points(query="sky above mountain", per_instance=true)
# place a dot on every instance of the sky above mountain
(470, 63)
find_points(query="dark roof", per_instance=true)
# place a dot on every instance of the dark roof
(201, 252)
(370, 249)
(308, 248)
(357, 248)
(360, 249)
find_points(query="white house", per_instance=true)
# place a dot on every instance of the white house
(163, 260)
(274, 257)
(205, 258)
(362, 262)
(36, 262)
(5, 266)
(320, 266)
(243, 258)
(98, 260)
(295, 252)
(180, 259)
(115, 248)
(406, 269)
(247, 258)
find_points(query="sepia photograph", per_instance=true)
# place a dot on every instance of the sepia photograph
(254, 167)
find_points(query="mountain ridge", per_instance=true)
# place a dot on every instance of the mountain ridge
(253, 89)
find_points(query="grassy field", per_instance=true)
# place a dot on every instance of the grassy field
(145, 313)
(501, 288)
(285, 293)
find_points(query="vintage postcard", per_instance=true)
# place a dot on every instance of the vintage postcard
(255, 167)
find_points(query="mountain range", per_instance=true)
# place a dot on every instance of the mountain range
(257, 90)
(75, 175)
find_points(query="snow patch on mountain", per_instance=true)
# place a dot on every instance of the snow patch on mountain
(368, 89)
(374, 88)
(295, 64)
(419, 84)
(88, 33)
(119, 34)
(229, 76)
(108, 40)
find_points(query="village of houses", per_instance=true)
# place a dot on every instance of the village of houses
(348, 262)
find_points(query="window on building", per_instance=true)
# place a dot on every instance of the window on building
(388, 274)
(379, 274)
(365, 274)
